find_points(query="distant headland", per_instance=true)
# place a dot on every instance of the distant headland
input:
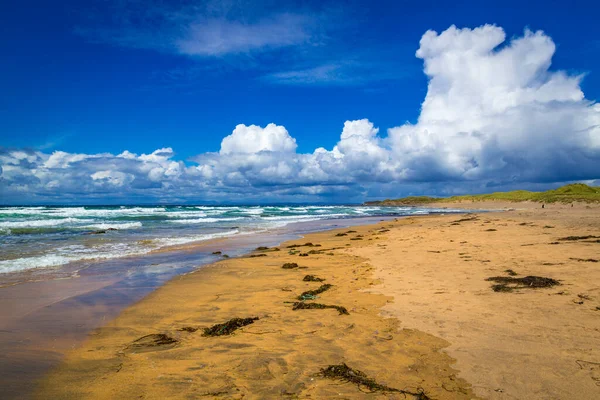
(576, 192)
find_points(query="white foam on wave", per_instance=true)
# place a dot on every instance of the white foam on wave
(77, 253)
(72, 253)
(186, 214)
(204, 220)
(302, 217)
(253, 211)
(114, 212)
(20, 210)
(166, 242)
(115, 225)
(38, 223)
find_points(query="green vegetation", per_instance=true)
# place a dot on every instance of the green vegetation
(565, 194)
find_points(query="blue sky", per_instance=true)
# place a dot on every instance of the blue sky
(100, 77)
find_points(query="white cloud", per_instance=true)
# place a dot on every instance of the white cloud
(61, 159)
(114, 178)
(498, 113)
(253, 139)
(199, 29)
(494, 116)
(216, 37)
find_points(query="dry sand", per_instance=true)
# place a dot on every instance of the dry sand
(422, 317)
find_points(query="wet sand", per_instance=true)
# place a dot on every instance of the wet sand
(422, 317)
(48, 312)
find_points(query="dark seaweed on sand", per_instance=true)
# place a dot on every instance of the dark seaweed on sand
(190, 329)
(289, 266)
(458, 221)
(344, 373)
(227, 328)
(300, 305)
(312, 278)
(312, 294)
(569, 238)
(508, 284)
(154, 340)
(307, 244)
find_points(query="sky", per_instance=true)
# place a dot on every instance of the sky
(121, 101)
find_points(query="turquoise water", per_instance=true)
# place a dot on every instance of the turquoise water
(50, 237)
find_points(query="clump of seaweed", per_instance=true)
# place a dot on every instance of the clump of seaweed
(458, 221)
(341, 234)
(584, 259)
(509, 284)
(265, 248)
(289, 266)
(344, 373)
(307, 244)
(356, 238)
(312, 278)
(351, 231)
(190, 329)
(572, 238)
(312, 294)
(510, 272)
(257, 255)
(152, 342)
(227, 328)
(216, 253)
(300, 305)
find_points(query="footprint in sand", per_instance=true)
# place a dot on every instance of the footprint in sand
(593, 368)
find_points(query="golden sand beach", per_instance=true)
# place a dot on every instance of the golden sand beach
(424, 320)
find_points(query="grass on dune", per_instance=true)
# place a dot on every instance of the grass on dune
(565, 194)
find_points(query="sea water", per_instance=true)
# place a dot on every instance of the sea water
(50, 237)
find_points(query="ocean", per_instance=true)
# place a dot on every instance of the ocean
(50, 237)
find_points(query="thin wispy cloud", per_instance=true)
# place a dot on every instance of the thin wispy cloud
(283, 46)
(201, 31)
(346, 73)
(218, 37)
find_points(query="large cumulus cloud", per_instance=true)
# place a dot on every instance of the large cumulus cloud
(499, 114)
(495, 114)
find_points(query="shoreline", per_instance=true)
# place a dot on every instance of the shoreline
(531, 343)
(43, 319)
(280, 354)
